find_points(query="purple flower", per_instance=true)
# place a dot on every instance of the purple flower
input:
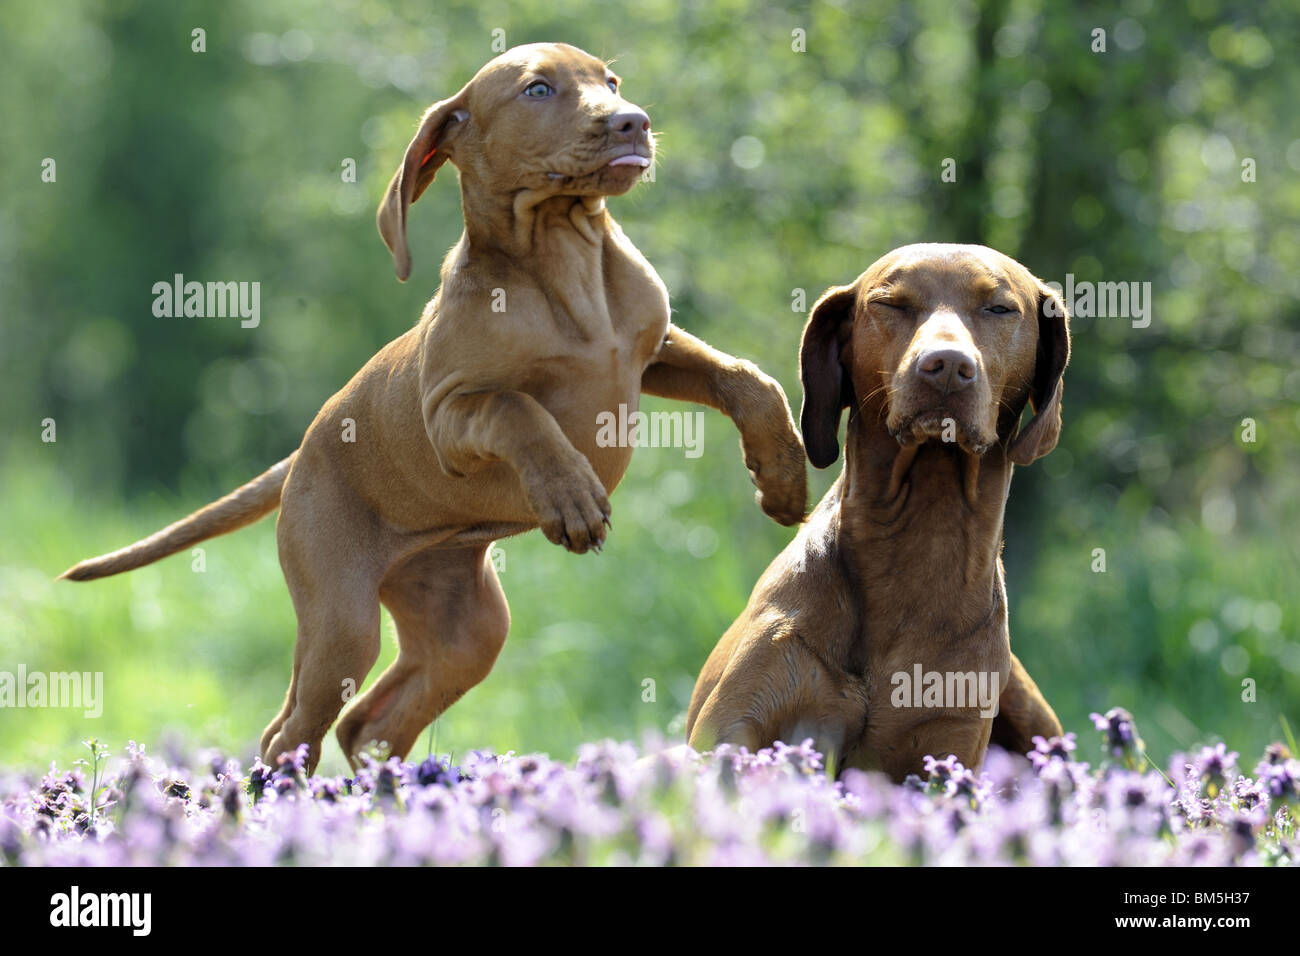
(1122, 742)
(232, 798)
(53, 784)
(1054, 748)
(1276, 753)
(1214, 768)
(913, 782)
(11, 844)
(259, 777)
(655, 806)
(1281, 781)
(949, 778)
(438, 771)
(176, 788)
(1248, 794)
(290, 773)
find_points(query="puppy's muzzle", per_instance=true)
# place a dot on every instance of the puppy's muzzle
(630, 127)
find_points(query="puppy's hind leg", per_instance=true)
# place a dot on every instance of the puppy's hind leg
(335, 650)
(331, 566)
(286, 709)
(337, 646)
(452, 620)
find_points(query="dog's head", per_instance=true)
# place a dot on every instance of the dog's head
(952, 340)
(545, 118)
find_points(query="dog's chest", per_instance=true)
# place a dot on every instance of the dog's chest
(607, 325)
(638, 311)
(607, 328)
(614, 307)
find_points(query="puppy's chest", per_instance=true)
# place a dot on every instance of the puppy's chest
(638, 314)
(615, 318)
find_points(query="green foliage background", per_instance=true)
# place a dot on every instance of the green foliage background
(225, 165)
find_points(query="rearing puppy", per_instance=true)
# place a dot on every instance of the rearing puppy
(482, 420)
(881, 631)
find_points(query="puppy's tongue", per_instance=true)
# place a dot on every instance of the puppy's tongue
(631, 159)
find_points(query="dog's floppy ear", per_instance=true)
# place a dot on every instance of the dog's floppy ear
(423, 157)
(1041, 434)
(827, 385)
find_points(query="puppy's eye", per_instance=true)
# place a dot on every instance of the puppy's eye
(999, 310)
(539, 89)
(612, 84)
(894, 304)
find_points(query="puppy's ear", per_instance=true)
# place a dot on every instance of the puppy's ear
(1041, 434)
(827, 386)
(428, 150)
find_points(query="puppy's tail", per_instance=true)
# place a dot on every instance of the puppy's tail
(242, 506)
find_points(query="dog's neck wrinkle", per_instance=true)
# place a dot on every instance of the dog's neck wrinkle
(527, 224)
(563, 243)
(958, 545)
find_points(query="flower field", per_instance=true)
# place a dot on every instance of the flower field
(617, 804)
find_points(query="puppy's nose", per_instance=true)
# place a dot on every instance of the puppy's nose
(948, 370)
(629, 124)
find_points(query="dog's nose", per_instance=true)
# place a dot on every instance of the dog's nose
(629, 123)
(948, 370)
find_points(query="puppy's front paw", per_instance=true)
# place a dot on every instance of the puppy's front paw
(778, 472)
(774, 455)
(570, 503)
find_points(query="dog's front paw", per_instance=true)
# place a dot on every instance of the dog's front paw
(571, 505)
(781, 480)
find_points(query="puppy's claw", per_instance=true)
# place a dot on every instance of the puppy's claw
(570, 503)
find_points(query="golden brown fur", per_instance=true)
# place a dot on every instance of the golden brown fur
(900, 563)
(480, 423)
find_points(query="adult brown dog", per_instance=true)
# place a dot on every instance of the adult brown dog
(935, 350)
(481, 421)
